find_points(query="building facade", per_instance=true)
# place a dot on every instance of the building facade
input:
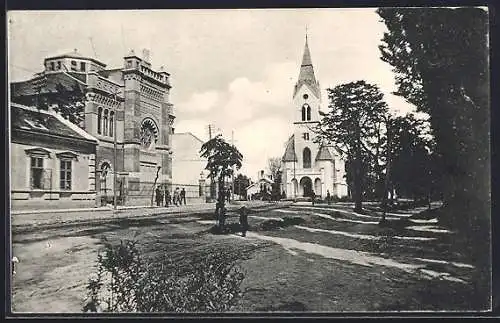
(127, 109)
(308, 166)
(188, 167)
(52, 161)
(264, 183)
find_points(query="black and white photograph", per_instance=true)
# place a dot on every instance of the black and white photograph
(225, 161)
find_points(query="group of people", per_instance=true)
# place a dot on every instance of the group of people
(163, 197)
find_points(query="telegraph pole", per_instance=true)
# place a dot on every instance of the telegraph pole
(294, 178)
(211, 175)
(115, 116)
(232, 182)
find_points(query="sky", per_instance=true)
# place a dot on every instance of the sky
(234, 69)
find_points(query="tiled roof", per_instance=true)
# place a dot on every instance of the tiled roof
(290, 150)
(324, 154)
(77, 55)
(44, 122)
(49, 81)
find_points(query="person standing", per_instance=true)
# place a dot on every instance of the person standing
(228, 195)
(183, 196)
(328, 197)
(167, 197)
(176, 196)
(313, 196)
(159, 196)
(243, 221)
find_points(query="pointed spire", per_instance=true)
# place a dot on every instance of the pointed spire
(306, 74)
(306, 58)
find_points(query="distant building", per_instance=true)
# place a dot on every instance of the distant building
(130, 103)
(188, 167)
(52, 161)
(307, 165)
(264, 183)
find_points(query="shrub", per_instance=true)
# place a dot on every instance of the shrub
(127, 282)
(272, 224)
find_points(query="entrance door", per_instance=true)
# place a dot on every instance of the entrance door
(306, 185)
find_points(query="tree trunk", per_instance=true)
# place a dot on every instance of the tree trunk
(358, 191)
(221, 202)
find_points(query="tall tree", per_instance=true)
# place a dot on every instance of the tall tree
(411, 148)
(440, 57)
(241, 182)
(67, 100)
(352, 124)
(274, 165)
(221, 157)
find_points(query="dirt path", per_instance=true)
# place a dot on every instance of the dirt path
(331, 262)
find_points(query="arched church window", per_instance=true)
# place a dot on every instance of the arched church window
(105, 169)
(99, 120)
(306, 157)
(306, 112)
(149, 132)
(105, 123)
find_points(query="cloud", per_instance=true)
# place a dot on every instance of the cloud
(197, 127)
(260, 140)
(199, 102)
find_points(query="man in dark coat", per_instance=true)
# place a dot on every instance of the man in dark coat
(183, 196)
(167, 197)
(313, 196)
(328, 197)
(159, 196)
(243, 221)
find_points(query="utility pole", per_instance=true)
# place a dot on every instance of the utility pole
(294, 178)
(115, 166)
(211, 175)
(232, 181)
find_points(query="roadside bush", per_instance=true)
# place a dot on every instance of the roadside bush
(272, 224)
(127, 282)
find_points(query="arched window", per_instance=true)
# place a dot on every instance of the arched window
(105, 169)
(111, 123)
(105, 123)
(304, 113)
(99, 120)
(306, 158)
(308, 113)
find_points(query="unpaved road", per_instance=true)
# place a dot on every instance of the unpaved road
(334, 261)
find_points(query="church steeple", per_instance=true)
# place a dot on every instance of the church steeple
(306, 74)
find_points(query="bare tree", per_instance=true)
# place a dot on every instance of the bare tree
(274, 166)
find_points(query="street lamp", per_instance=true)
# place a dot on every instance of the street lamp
(114, 153)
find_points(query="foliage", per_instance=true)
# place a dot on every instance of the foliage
(440, 57)
(68, 101)
(274, 166)
(221, 158)
(241, 182)
(413, 172)
(354, 124)
(127, 282)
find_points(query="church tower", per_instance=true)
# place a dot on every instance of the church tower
(306, 102)
(309, 166)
